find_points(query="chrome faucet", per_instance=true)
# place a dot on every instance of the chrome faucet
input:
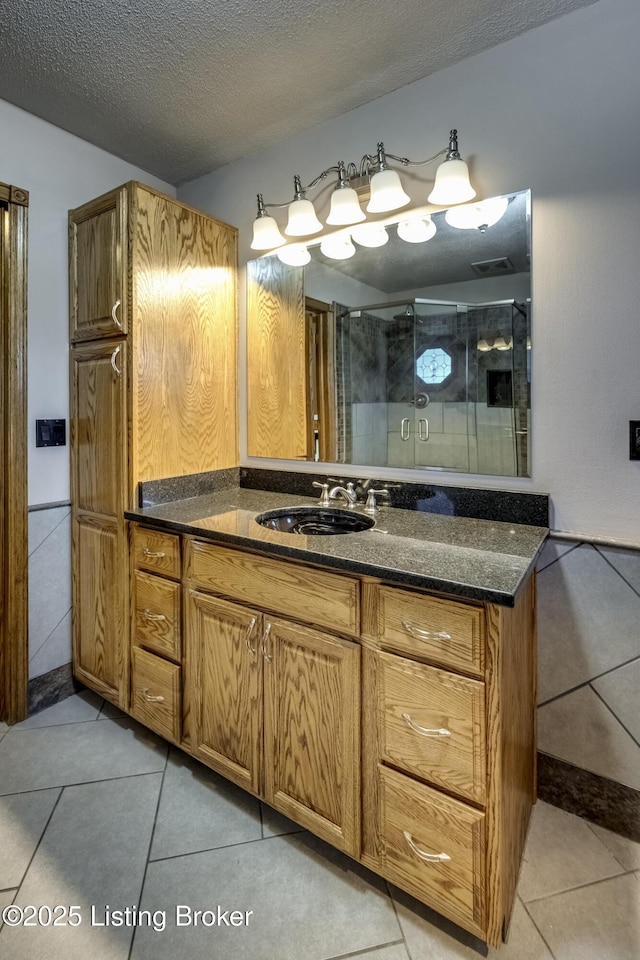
(348, 493)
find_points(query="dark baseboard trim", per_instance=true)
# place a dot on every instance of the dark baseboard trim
(52, 687)
(605, 802)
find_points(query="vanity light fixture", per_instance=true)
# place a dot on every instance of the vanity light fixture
(370, 235)
(338, 248)
(294, 255)
(451, 186)
(477, 216)
(417, 229)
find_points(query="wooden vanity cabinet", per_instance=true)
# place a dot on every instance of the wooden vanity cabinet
(275, 707)
(396, 725)
(152, 307)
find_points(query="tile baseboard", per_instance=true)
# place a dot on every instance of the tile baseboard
(606, 802)
(52, 687)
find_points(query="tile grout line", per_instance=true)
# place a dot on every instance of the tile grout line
(36, 652)
(537, 928)
(153, 830)
(581, 886)
(227, 846)
(614, 715)
(368, 951)
(51, 532)
(625, 870)
(79, 783)
(556, 559)
(621, 575)
(586, 683)
(37, 846)
(395, 912)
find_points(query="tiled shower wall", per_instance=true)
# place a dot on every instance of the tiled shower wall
(589, 658)
(49, 589)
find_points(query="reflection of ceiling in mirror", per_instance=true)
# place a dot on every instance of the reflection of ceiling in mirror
(446, 258)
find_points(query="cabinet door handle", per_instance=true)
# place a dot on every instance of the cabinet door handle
(113, 315)
(405, 428)
(252, 623)
(151, 553)
(265, 636)
(425, 731)
(148, 615)
(116, 368)
(423, 429)
(150, 698)
(422, 634)
(422, 854)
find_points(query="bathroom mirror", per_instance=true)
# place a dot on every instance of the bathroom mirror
(409, 354)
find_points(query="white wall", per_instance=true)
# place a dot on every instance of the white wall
(555, 110)
(60, 171)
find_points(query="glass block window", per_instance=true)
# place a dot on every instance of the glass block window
(433, 366)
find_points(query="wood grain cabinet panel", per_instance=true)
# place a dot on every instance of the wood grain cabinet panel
(224, 667)
(432, 724)
(155, 694)
(157, 615)
(98, 268)
(156, 551)
(292, 589)
(433, 628)
(434, 848)
(153, 314)
(311, 731)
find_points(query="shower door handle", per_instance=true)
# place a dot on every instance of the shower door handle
(405, 428)
(423, 429)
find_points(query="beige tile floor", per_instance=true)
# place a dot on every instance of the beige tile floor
(95, 810)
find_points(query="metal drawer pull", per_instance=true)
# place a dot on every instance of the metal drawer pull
(116, 368)
(425, 731)
(429, 857)
(252, 623)
(147, 696)
(421, 634)
(113, 315)
(265, 636)
(150, 553)
(148, 615)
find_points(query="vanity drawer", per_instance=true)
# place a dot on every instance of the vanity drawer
(302, 592)
(433, 847)
(450, 633)
(155, 693)
(431, 723)
(157, 551)
(157, 615)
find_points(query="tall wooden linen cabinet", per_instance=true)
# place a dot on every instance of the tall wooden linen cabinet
(153, 321)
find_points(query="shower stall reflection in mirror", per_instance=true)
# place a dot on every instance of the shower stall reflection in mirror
(431, 383)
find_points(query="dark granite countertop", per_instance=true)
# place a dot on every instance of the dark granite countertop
(478, 559)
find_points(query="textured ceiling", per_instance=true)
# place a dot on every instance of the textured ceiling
(181, 87)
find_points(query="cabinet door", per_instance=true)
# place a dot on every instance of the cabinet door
(98, 490)
(98, 428)
(312, 731)
(97, 267)
(224, 677)
(99, 604)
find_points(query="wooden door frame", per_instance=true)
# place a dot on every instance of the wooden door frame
(14, 655)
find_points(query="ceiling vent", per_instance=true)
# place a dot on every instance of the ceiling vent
(493, 268)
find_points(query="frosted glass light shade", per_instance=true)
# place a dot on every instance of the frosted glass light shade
(302, 219)
(370, 235)
(451, 184)
(294, 255)
(416, 230)
(345, 207)
(266, 234)
(386, 192)
(474, 215)
(340, 248)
